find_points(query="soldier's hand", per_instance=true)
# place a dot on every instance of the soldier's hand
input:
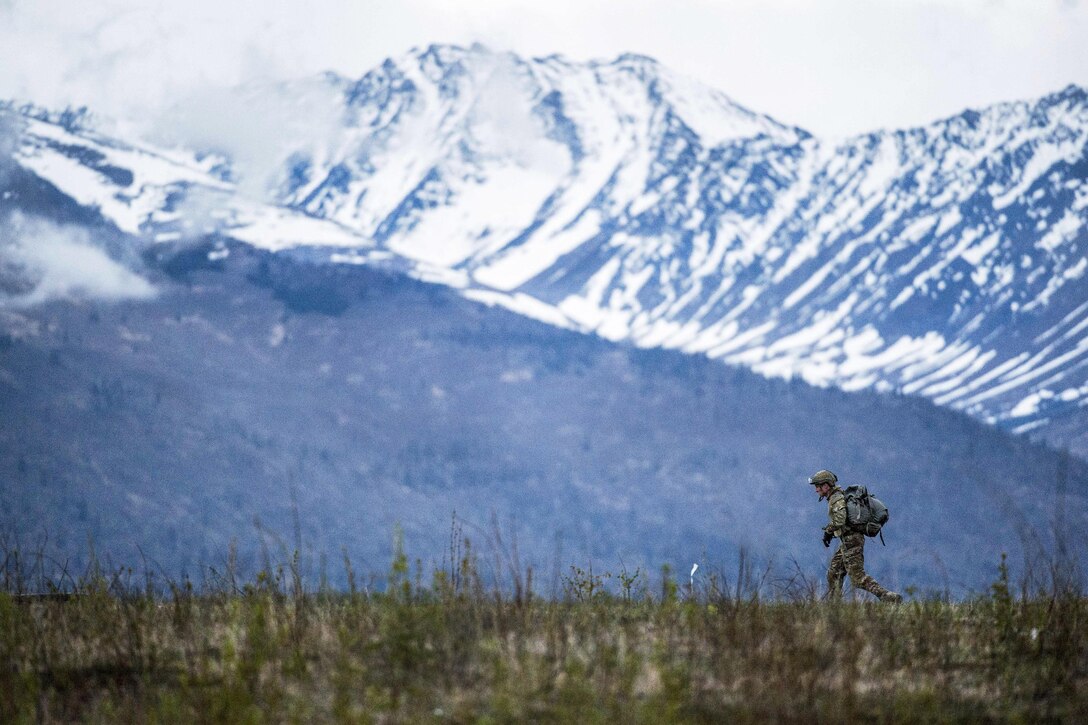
(827, 539)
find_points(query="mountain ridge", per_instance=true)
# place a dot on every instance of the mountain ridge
(945, 260)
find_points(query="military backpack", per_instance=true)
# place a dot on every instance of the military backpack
(865, 513)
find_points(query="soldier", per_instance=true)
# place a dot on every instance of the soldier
(850, 558)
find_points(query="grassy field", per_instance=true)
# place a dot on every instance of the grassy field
(610, 648)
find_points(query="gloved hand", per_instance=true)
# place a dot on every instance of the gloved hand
(828, 536)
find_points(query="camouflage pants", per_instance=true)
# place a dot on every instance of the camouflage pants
(850, 559)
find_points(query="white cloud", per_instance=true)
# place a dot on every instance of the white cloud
(41, 261)
(257, 127)
(836, 66)
(506, 123)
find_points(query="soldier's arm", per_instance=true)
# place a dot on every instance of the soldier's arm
(836, 511)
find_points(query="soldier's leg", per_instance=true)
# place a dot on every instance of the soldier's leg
(853, 554)
(836, 572)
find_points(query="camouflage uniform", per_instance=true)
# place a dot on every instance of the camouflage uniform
(850, 558)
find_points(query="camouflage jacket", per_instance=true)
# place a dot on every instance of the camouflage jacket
(836, 512)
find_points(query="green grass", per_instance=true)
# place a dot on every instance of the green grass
(456, 650)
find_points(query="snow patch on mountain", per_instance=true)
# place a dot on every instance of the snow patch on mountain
(620, 198)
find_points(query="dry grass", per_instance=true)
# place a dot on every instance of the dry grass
(455, 650)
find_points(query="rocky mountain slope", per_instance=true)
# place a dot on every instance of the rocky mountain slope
(946, 261)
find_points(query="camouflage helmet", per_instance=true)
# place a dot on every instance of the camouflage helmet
(821, 477)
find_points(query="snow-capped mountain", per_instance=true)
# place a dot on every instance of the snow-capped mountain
(946, 261)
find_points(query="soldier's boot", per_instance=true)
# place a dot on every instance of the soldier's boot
(892, 597)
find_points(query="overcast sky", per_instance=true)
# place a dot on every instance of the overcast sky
(834, 67)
